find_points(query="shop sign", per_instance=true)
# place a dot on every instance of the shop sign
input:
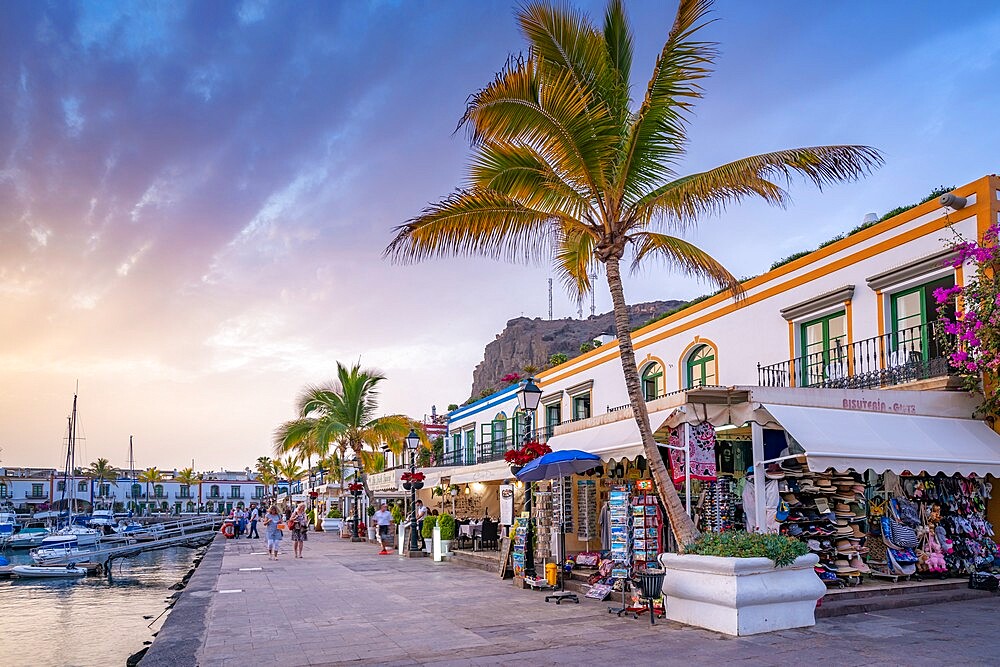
(865, 405)
(644, 485)
(506, 504)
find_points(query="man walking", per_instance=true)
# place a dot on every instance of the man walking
(383, 517)
(421, 514)
(254, 515)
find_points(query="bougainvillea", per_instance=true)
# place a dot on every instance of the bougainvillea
(529, 452)
(511, 378)
(972, 337)
(412, 477)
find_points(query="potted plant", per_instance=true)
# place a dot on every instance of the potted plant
(427, 532)
(446, 523)
(741, 583)
(333, 519)
(413, 480)
(518, 458)
(371, 529)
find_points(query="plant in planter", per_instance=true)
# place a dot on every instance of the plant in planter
(333, 519)
(518, 458)
(742, 583)
(427, 531)
(446, 523)
(413, 480)
(396, 509)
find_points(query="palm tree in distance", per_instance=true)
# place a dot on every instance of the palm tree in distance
(150, 476)
(566, 167)
(189, 478)
(101, 471)
(289, 469)
(343, 413)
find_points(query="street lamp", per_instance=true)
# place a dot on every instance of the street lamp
(527, 399)
(412, 442)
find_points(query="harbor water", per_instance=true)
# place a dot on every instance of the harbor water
(88, 621)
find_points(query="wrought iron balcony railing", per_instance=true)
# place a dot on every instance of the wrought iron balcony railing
(891, 359)
(493, 450)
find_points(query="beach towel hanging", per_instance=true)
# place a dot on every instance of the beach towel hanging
(702, 448)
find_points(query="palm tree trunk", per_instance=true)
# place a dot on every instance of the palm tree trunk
(680, 523)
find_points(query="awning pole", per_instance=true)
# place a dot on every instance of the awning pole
(687, 468)
(759, 481)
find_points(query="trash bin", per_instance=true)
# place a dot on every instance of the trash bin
(651, 583)
(552, 573)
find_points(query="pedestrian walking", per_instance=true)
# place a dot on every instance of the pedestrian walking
(299, 525)
(241, 522)
(272, 532)
(254, 516)
(382, 518)
(421, 515)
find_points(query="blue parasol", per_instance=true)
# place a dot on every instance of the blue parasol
(554, 465)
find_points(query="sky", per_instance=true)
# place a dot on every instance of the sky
(195, 197)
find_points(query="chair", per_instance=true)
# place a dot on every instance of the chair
(490, 535)
(462, 537)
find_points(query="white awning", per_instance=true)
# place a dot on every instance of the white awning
(842, 439)
(614, 440)
(483, 472)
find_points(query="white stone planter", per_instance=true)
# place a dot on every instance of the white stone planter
(741, 596)
(331, 524)
(445, 546)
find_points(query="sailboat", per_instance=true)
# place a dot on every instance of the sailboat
(72, 535)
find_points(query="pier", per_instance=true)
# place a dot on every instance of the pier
(195, 531)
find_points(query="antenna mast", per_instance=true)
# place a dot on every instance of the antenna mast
(550, 299)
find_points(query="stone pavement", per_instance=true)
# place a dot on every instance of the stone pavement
(343, 603)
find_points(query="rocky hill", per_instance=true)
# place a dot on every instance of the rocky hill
(528, 342)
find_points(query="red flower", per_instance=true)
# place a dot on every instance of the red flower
(528, 453)
(355, 486)
(412, 477)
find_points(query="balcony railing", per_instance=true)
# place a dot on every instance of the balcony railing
(493, 450)
(894, 358)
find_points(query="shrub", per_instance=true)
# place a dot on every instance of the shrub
(558, 358)
(428, 529)
(447, 524)
(452, 406)
(781, 549)
(397, 513)
(586, 346)
(334, 513)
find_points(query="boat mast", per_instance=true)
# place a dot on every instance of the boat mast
(131, 472)
(66, 482)
(72, 460)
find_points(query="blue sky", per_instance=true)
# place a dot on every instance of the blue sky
(194, 197)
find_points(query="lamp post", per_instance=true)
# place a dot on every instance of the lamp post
(527, 399)
(412, 442)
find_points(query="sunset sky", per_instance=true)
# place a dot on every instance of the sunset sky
(194, 197)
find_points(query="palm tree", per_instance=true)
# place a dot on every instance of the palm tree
(565, 163)
(189, 478)
(150, 476)
(102, 470)
(342, 413)
(289, 468)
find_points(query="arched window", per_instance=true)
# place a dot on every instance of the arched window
(82, 485)
(652, 381)
(213, 491)
(701, 367)
(164, 506)
(137, 490)
(190, 506)
(499, 429)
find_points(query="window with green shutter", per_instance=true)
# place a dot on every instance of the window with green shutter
(913, 313)
(701, 367)
(824, 349)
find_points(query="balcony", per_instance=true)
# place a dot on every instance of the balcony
(236, 496)
(36, 496)
(891, 359)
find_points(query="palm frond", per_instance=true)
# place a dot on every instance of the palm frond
(473, 222)
(658, 134)
(618, 41)
(575, 262)
(685, 257)
(288, 436)
(687, 199)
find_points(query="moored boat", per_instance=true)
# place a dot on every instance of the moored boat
(60, 551)
(29, 537)
(48, 571)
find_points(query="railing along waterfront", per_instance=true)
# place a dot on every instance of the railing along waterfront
(894, 358)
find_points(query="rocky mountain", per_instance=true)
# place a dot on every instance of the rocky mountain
(532, 342)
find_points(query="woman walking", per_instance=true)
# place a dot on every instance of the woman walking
(272, 532)
(298, 524)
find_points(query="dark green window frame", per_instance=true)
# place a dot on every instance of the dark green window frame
(652, 381)
(913, 335)
(470, 446)
(815, 371)
(699, 367)
(553, 417)
(582, 408)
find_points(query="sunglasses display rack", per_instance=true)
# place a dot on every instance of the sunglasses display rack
(586, 509)
(717, 506)
(545, 527)
(562, 504)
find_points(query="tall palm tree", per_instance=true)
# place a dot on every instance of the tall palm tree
(100, 471)
(150, 476)
(343, 413)
(189, 478)
(289, 468)
(566, 165)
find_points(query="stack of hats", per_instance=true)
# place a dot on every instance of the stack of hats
(825, 510)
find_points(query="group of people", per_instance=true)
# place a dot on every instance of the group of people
(275, 523)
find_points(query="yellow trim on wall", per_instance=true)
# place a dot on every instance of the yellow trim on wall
(791, 352)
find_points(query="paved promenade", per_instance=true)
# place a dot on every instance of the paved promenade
(342, 603)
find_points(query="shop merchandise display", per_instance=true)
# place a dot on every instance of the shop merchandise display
(701, 445)
(943, 520)
(647, 531)
(828, 511)
(562, 505)
(586, 510)
(546, 532)
(520, 537)
(717, 506)
(621, 533)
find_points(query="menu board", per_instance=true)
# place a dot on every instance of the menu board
(520, 539)
(620, 519)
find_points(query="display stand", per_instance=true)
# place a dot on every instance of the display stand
(620, 518)
(563, 595)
